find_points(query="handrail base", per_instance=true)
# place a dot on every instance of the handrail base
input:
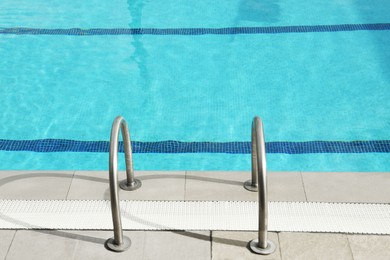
(254, 247)
(132, 186)
(249, 186)
(111, 245)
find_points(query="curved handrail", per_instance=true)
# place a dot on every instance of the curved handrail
(119, 243)
(253, 183)
(262, 245)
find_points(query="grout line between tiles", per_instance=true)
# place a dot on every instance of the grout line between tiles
(185, 185)
(75, 249)
(211, 244)
(70, 185)
(303, 185)
(349, 246)
(280, 248)
(9, 248)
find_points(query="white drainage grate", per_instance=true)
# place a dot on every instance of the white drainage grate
(196, 215)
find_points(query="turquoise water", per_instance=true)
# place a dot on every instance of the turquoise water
(331, 86)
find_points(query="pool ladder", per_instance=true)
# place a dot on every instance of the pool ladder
(118, 243)
(262, 245)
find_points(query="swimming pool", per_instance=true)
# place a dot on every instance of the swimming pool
(313, 71)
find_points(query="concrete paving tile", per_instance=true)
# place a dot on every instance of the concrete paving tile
(34, 184)
(156, 185)
(314, 246)
(90, 185)
(159, 185)
(365, 247)
(285, 186)
(90, 245)
(179, 245)
(228, 185)
(218, 185)
(41, 245)
(369, 187)
(234, 245)
(6, 237)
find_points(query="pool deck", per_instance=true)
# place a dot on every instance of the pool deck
(364, 187)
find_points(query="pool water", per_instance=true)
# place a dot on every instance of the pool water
(307, 86)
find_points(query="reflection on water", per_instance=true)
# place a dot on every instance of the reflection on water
(259, 11)
(139, 54)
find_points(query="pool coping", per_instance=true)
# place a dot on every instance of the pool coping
(358, 187)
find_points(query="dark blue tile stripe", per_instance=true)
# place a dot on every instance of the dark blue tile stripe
(61, 145)
(199, 31)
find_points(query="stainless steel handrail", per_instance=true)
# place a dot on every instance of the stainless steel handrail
(262, 245)
(253, 183)
(119, 242)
